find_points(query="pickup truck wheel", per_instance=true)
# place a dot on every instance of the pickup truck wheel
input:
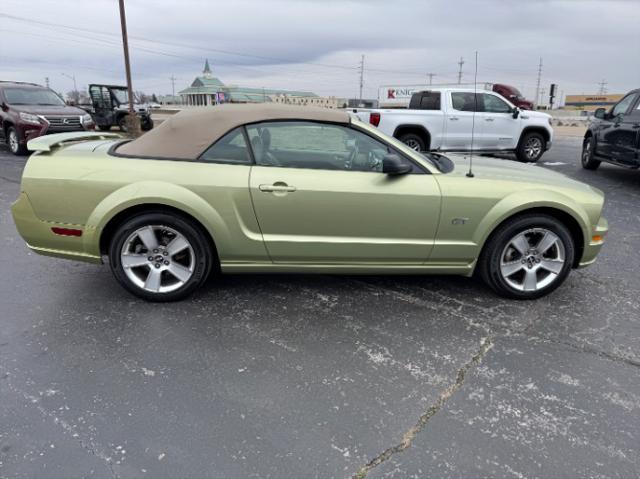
(531, 148)
(160, 257)
(14, 143)
(527, 257)
(588, 162)
(413, 141)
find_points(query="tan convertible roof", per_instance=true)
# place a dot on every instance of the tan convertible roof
(189, 133)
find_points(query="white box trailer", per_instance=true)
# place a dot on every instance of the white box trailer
(398, 96)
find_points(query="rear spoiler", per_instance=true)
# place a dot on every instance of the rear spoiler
(47, 142)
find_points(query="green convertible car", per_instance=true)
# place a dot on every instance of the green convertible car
(272, 188)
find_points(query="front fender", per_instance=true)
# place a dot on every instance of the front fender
(522, 201)
(153, 192)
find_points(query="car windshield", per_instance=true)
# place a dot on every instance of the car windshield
(32, 96)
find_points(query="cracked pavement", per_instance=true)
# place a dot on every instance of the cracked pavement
(272, 376)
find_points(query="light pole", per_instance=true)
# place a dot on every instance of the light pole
(133, 122)
(76, 93)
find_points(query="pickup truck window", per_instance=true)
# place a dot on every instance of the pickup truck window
(465, 101)
(428, 100)
(622, 107)
(493, 104)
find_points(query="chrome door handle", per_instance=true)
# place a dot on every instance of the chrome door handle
(453, 118)
(277, 188)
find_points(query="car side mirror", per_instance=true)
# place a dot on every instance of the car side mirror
(4, 106)
(393, 165)
(515, 112)
(600, 113)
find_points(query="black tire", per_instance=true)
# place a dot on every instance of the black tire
(587, 155)
(202, 259)
(413, 141)
(147, 125)
(104, 127)
(13, 142)
(499, 243)
(122, 123)
(531, 147)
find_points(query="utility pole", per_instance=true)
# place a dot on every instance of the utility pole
(133, 122)
(431, 75)
(460, 63)
(361, 75)
(173, 85)
(538, 83)
(602, 89)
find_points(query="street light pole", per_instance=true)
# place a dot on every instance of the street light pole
(133, 122)
(76, 93)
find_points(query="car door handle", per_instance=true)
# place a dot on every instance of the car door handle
(453, 118)
(488, 119)
(277, 188)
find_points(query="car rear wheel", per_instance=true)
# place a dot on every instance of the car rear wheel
(527, 257)
(413, 141)
(160, 257)
(14, 143)
(531, 148)
(588, 161)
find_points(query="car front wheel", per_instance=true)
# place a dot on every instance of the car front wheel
(527, 257)
(14, 142)
(531, 148)
(160, 257)
(588, 161)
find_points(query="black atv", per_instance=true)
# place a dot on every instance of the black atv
(110, 107)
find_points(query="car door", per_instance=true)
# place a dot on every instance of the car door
(320, 197)
(610, 133)
(620, 137)
(499, 128)
(460, 122)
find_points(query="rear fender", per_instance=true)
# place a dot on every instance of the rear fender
(157, 193)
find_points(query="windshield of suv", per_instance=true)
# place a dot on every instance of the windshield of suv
(32, 96)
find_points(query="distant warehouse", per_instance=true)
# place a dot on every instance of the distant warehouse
(590, 102)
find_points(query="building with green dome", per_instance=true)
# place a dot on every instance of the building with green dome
(209, 90)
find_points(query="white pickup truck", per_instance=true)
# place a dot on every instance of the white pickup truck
(442, 119)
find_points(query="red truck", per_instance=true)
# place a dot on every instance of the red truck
(512, 94)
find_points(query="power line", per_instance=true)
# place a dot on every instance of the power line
(460, 63)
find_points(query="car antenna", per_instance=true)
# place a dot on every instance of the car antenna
(473, 118)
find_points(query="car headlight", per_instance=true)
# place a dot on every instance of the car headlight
(86, 119)
(29, 118)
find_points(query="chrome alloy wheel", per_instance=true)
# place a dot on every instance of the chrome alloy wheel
(532, 260)
(157, 259)
(13, 141)
(533, 148)
(413, 144)
(586, 152)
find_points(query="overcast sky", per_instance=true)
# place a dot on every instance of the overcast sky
(316, 45)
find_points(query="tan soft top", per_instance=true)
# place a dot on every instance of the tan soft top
(189, 133)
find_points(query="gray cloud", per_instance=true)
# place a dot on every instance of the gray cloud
(316, 45)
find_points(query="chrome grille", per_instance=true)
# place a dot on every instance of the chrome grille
(64, 123)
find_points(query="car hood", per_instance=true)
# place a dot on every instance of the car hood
(524, 114)
(50, 110)
(509, 170)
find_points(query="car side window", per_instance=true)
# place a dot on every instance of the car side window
(314, 145)
(493, 104)
(466, 101)
(231, 148)
(622, 107)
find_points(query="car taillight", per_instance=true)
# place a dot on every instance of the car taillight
(374, 119)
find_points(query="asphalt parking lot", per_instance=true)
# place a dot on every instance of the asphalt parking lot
(326, 376)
